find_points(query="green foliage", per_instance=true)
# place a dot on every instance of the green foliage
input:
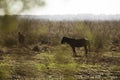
(9, 41)
(40, 66)
(26, 70)
(43, 29)
(63, 55)
(8, 24)
(8, 6)
(5, 71)
(98, 42)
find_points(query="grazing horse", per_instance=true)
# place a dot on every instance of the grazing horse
(76, 43)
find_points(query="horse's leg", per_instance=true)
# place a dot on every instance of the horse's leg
(86, 50)
(74, 52)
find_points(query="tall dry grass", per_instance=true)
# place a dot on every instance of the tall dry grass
(101, 34)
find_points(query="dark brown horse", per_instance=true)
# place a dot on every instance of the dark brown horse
(76, 43)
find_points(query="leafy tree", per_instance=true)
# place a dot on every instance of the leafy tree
(13, 7)
(9, 10)
(10, 7)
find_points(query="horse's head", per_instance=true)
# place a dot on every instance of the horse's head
(63, 40)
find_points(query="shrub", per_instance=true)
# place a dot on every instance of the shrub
(9, 41)
(63, 55)
(5, 71)
(27, 70)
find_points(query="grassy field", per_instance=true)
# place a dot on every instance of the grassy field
(58, 64)
(54, 61)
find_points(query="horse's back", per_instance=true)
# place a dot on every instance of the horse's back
(78, 42)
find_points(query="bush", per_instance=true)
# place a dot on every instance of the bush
(9, 41)
(63, 55)
(5, 71)
(27, 70)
